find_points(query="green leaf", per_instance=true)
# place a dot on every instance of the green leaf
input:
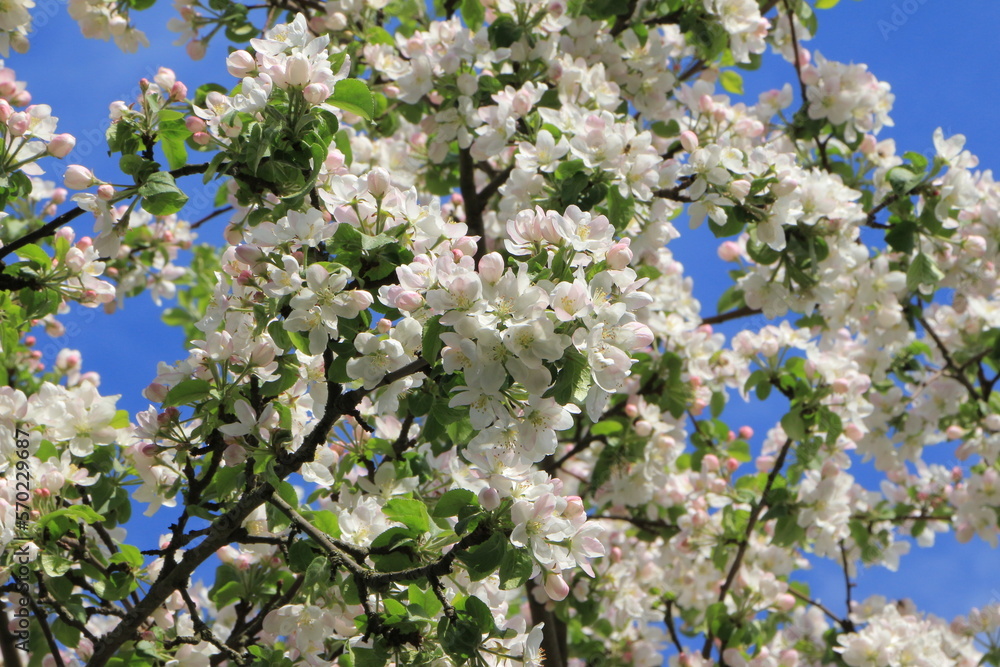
(573, 379)
(606, 427)
(504, 31)
(160, 194)
(902, 180)
(901, 237)
(731, 81)
(483, 559)
(177, 317)
(33, 253)
(75, 512)
(318, 573)
(431, 343)
(352, 95)
(411, 513)
(620, 209)
(923, 271)
(120, 420)
(453, 502)
(795, 427)
(55, 566)
(187, 392)
(568, 169)
(515, 569)
(473, 13)
(826, 4)
(343, 143)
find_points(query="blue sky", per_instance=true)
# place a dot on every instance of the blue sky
(939, 57)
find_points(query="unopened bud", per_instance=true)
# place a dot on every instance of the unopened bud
(61, 145)
(491, 268)
(378, 182)
(489, 498)
(316, 93)
(18, 123)
(196, 49)
(78, 177)
(240, 64)
(620, 255)
(689, 141)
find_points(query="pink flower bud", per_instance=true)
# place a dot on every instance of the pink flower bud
(868, 144)
(408, 301)
(234, 455)
(840, 386)
(18, 123)
(297, 71)
(785, 602)
(105, 191)
(155, 392)
(574, 507)
(6, 110)
(710, 463)
(178, 91)
(784, 187)
(240, 64)
(689, 141)
(853, 431)
(746, 432)
(194, 124)
(732, 464)
(788, 658)
(491, 268)
(955, 432)
(61, 145)
(740, 188)
(974, 246)
(249, 254)
(489, 498)
(78, 177)
(729, 251)
(196, 49)
(201, 138)
(117, 110)
(620, 255)
(378, 182)
(316, 93)
(765, 463)
(556, 587)
(643, 428)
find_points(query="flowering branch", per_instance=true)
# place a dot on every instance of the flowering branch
(755, 513)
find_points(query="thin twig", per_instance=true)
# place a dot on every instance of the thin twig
(755, 513)
(743, 311)
(844, 623)
(847, 581)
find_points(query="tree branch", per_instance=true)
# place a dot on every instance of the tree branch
(745, 542)
(957, 371)
(743, 311)
(50, 228)
(8, 650)
(176, 577)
